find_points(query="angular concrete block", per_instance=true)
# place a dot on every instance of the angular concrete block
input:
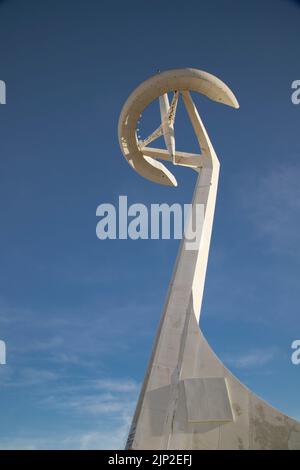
(207, 400)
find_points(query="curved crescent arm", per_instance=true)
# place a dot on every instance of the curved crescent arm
(149, 90)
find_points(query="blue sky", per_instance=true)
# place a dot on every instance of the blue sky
(78, 314)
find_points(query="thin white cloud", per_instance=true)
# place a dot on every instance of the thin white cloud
(26, 377)
(122, 386)
(274, 207)
(31, 376)
(47, 345)
(251, 359)
(105, 406)
(95, 439)
(102, 397)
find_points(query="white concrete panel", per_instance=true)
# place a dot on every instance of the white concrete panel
(207, 400)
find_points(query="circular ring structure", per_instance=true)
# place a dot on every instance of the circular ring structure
(186, 79)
